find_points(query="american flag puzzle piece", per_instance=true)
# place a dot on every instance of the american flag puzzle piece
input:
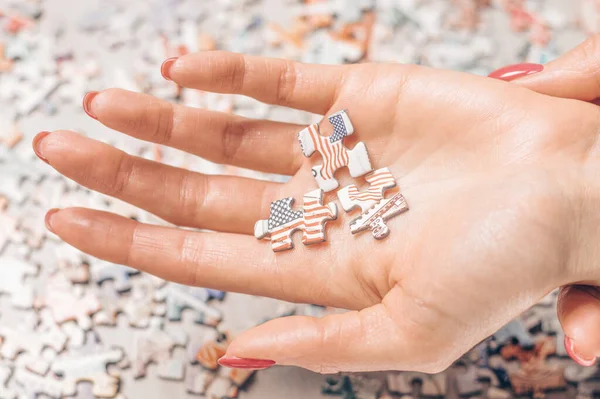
(284, 221)
(374, 207)
(335, 155)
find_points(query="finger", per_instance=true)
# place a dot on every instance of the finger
(222, 261)
(288, 83)
(579, 315)
(218, 137)
(179, 196)
(365, 340)
(576, 75)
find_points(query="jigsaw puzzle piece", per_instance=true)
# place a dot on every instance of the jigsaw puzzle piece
(374, 218)
(180, 297)
(283, 221)
(333, 152)
(36, 385)
(12, 281)
(379, 181)
(89, 368)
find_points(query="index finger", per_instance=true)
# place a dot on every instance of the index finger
(306, 87)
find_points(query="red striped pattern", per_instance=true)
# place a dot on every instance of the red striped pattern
(379, 181)
(334, 155)
(311, 224)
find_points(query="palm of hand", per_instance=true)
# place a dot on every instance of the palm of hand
(493, 179)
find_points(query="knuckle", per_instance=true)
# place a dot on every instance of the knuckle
(155, 122)
(237, 75)
(286, 85)
(122, 175)
(232, 139)
(189, 192)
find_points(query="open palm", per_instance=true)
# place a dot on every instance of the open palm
(498, 178)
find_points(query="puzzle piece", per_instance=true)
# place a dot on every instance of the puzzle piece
(12, 281)
(376, 209)
(102, 271)
(284, 221)
(180, 297)
(68, 303)
(197, 381)
(6, 373)
(155, 346)
(379, 181)
(335, 155)
(91, 368)
(36, 385)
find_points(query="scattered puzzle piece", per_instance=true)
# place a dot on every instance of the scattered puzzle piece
(180, 297)
(156, 346)
(333, 152)
(91, 368)
(284, 221)
(12, 281)
(379, 181)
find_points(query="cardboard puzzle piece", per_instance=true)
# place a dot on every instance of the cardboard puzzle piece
(68, 303)
(197, 380)
(13, 273)
(102, 271)
(179, 297)
(36, 385)
(284, 221)
(379, 181)
(335, 155)
(209, 354)
(89, 368)
(156, 345)
(375, 208)
(6, 373)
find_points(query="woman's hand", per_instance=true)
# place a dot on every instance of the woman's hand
(502, 184)
(575, 76)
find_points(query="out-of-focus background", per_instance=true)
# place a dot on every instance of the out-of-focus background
(75, 326)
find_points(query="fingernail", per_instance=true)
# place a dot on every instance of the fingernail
(570, 347)
(87, 103)
(36, 144)
(48, 219)
(165, 68)
(240, 363)
(514, 72)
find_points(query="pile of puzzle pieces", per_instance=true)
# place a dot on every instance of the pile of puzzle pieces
(75, 326)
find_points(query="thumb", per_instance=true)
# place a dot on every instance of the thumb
(575, 75)
(579, 315)
(365, 340)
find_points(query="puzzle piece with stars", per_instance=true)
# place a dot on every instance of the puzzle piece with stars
(284, 221)
(335, 155)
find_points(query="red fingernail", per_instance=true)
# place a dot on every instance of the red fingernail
(48, 218)
(513, 72)
(570, 347)
(87, 103)
(239, 363)
(165, 68)
(36, 144)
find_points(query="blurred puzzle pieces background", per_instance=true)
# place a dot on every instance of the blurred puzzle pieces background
(133, 335)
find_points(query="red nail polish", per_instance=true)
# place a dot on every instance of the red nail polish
(87, 103)
(239, 363)
(47, 219)
(513, 72)
(37, 140)
(165, 68)
(570, 347)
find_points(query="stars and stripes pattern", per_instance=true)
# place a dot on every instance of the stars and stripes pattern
(380, 180)
(334, 154)
(284, 221)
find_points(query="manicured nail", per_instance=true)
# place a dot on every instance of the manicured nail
(48, 219)
(570, 347)
(165, 68)
(87, 103)
(239, 363)
(514, 72)
(36, 144)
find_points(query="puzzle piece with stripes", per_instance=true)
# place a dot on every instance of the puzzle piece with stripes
(284, 221)
(335, 155)
(374, 207)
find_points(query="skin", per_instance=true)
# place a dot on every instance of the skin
(502, 182)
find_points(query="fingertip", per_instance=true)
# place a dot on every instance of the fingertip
(88, 104)
(48, 219)
(167, 66)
